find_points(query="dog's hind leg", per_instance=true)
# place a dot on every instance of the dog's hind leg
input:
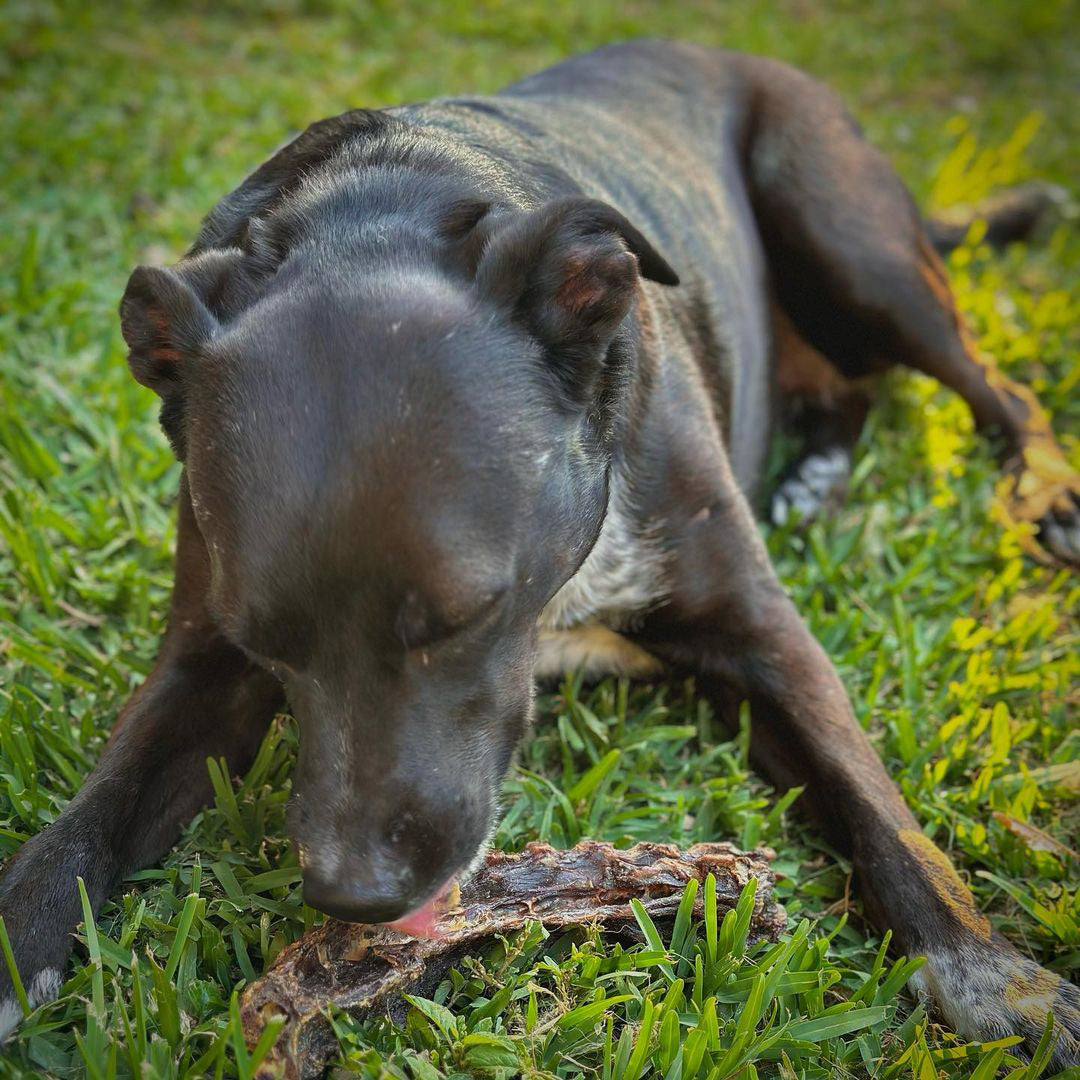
(825, 414)
(854, 269)
(204, 699)
(1010, 216)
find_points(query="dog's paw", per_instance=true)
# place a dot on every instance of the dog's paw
(1045, 491)
(43, 987)
(987, 990)
(39, 917)
(816, 483)
(1059, 531)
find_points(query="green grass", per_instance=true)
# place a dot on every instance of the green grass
(119, 131)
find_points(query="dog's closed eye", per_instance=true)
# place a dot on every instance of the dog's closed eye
(422, 622)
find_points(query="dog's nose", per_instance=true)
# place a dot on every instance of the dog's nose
(348, 900)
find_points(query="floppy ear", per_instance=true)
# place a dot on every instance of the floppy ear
(163, 322)
(570, 270)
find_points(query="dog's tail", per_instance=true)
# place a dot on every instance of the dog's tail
(1011, 216)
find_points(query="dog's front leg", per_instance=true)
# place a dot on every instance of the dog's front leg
(203, 699)
(729, 622)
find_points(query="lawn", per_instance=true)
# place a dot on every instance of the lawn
(121, 125)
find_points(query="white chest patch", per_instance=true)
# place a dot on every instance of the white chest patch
(623, 576)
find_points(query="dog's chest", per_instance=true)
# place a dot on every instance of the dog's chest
(623, 576)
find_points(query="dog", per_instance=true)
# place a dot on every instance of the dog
(474, 389)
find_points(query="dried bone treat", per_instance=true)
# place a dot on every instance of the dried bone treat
(363, 968)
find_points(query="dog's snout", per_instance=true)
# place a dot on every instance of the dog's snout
(354, 899)
(374, 873)
(382, 824)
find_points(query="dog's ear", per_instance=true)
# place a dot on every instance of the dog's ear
(163, 322)
(570, 270)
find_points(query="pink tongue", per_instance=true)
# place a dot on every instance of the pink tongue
(423, 922)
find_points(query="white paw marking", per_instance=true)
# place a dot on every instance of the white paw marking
(10, 1017)
(957, 987)
(807, 491)
(44, 987)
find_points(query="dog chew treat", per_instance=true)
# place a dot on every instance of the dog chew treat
(364, 968)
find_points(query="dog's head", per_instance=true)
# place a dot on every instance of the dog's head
(396, 437)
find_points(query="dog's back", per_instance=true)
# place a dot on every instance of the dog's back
(665, 124)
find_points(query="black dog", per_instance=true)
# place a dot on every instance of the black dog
(448, 417)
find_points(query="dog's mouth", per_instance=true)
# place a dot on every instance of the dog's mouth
(424, 921)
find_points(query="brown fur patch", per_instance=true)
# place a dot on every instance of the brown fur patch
(946, 882)
(800, 369)
(596, 649)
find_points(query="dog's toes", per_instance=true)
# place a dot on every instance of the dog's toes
(10, 1017)
(1044, 491)
(1059, 531)
(987, 991)
(43, 987)
(39, 931)
(816, 482)
(1032, 998)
